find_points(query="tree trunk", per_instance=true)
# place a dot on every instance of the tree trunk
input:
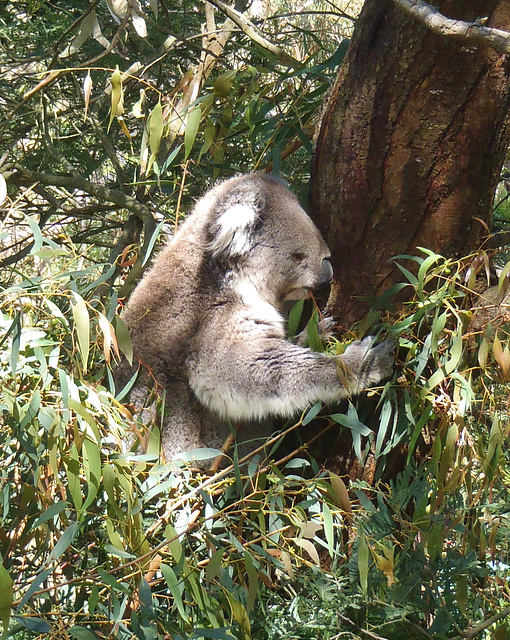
(410, 147)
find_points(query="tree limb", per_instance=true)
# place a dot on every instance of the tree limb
(470, 32)
(256, 35)
(481, 626)
(99, 191)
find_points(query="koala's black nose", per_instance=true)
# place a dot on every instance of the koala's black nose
(327, 270)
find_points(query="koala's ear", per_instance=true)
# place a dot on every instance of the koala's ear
(232, 231)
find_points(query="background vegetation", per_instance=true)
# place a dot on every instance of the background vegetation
(115, 117)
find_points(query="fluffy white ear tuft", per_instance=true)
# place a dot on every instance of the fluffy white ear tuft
(232, 231)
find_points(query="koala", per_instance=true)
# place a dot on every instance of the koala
(206, 320)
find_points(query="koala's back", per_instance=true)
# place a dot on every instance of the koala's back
(166, 309)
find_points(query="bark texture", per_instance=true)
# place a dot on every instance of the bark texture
(410, 146)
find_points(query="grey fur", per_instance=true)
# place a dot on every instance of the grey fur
(206, 319)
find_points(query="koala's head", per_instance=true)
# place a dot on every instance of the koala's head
(261, 231)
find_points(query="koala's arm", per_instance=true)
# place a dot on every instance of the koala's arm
(274, 377)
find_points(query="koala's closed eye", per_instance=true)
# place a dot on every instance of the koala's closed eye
(298, 257)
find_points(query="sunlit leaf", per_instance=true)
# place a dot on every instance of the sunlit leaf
(309, 548)
(87, 91)
(85, 29)
(117, 96)
(240, 616)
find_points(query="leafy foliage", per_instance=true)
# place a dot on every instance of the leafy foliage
(111, 134)
(100, 541)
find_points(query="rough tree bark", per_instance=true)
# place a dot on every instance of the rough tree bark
(410, 147)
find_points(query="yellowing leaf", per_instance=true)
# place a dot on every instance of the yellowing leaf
(385, 562)
(137, 110)
(287, 564)
(240, 615)
(483, 353)
(153, 4)
(502, 356)
(117, 96)
(341, 491)
(310, 549)
(310, 529)
(109, 338)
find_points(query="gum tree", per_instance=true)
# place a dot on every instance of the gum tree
(412, 140)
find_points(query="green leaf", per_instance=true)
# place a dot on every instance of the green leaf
(152, 242)
(176, 589)
(214, 565)
(92, 468)
(16, 341)
(205, 453)
(424, 268)
(455, 352)
(191, 130)
(123, 338)
(461, 593)
(384, 421)
(38, 580)
(223, 83)
(363, 558)
(328, 528)
(435, 541)
(73, 477)
(36, 231)
(81, 327)
(65, 541)
(312, 412)
(294, 318)
(51, 512)
(82, 633)
(253, 581)
(6, 598)
(155, 125)
(312, 334)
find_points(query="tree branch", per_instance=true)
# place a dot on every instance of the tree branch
(481, 626)
(98, 191)
(256, 35)
(470, 32)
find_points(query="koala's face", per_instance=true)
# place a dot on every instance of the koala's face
(291, 259)
(271, 240)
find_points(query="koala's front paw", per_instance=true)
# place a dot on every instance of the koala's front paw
(370, 363)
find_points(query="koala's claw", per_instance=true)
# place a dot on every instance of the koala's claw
(371, 363)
